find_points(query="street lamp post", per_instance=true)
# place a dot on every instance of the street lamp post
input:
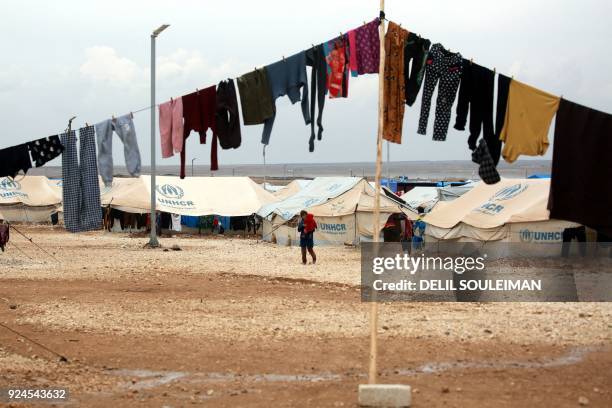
(153, 242)
(192, 160)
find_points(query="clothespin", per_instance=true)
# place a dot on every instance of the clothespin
(86, 124)
(171, 100)
(197, 91)
(113, 117)
(283, 58)
(131, 115)
(364, 23)
(472, 61)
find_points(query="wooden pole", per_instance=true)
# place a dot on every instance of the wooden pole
(376, 230)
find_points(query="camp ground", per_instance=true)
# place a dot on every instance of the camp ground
(316, 204)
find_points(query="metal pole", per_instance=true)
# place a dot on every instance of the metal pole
(192, 160)
(372, 373)
(153, 242)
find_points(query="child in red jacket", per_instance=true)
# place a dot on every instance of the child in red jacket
(306, 227)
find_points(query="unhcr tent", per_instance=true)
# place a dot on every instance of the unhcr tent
(28, 199)
(425, 197)
(343, 208)
(197, 196)
(449, 193)
(291, 189)
(511, 211)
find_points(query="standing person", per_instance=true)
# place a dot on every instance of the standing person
(406, 224)
(307, 227)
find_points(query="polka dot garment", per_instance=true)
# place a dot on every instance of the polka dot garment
(45, 149)
(444, 67)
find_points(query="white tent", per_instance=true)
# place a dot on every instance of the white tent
(291, 188)
(450, 193)
(425, 197)
(512, 211)
(28, 199)
(343, 208)
(197, 196)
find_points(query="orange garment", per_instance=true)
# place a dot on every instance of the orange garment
(528, 116)
(394, 86)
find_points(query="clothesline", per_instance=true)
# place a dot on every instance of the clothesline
(382, 16)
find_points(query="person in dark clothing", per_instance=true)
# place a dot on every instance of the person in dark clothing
(392, 231)
(476, 95)
(306, 227)
(569, 234)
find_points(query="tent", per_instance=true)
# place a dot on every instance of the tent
(449, 193)
(343, 208)
(511, 211)
(291, 188)
(197, 196)
(425, 197)
(28, 199)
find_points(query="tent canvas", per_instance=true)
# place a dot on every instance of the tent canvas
(196, 196)
(510, 211)
(346, 218)
(316, 192)
(449, 193)
(291, 189)
(28, 199)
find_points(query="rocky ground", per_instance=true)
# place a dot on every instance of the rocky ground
(237, 322)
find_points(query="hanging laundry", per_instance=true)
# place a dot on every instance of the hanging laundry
(171, 127)
(444, 68)
(80, 185)
(287, 77)
(476, 95)
(176, 222)
(315, 57)
(503, 88)
(4, 235)
(255, 97)
(14, 159)
(227, 116)
(581, 167)
(352, 41)
(528, 116)
(124, 127)
(393, 83)
(337, 68)
(199, 109)
(486, 169)
(45, 149)
(368, 47)
(415, 51)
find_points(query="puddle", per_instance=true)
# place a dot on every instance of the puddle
(151, 379)
(574, 356)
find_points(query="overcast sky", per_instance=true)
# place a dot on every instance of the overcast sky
(92, 59)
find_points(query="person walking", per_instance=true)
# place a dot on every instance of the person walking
(306, 228)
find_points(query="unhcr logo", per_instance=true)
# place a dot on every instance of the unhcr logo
(509, 192)
(172, 195)
(10, 188)
(9, 185)
(526, 235)
(170, 191)
(492, 207)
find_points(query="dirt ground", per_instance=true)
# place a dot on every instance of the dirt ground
(230, 322)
